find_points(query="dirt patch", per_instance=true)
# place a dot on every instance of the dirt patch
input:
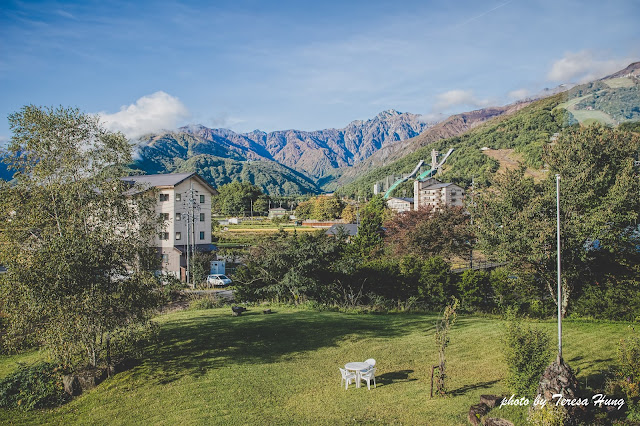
(509, 160)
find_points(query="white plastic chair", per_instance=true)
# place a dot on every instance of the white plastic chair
(368, 376)
(347, 377)
(371, 362)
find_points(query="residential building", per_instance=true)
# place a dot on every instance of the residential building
(184, 203)
(432, 192)
(400, 205)
(349, 229)
(278, 212)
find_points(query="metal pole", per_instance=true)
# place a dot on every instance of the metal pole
(188, 236)
(559, 276)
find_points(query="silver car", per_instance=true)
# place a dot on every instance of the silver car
(218, 280)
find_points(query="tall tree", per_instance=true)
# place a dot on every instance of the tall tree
(236, 198)
(368, 240)
(515, 218)
(427, 232)
(75, 240)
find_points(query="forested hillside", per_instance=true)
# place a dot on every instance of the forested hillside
(526, 131)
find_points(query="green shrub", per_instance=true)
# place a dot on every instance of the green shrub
(527, 352)
(36, 386)
(627, 376)
(208, 301)
(132, 342)
(474, 289)
(549, 415)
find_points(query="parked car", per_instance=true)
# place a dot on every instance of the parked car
(218, 280)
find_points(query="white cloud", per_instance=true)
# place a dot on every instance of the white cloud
(518, 94)
(3, 140)
(432, 117)
(151, 113)
(453, 98)
(584, 66)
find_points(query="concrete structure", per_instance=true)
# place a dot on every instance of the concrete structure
(184, 203)
(400, 205)
(432, 192)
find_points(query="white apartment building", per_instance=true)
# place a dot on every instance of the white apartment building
(184, 203)
(432, 192)
(400, 205)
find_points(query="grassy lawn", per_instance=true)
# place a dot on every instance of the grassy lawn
(212, 368)
(585, 116)
(615, 83)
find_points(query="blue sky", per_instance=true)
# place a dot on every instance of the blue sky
(275, 65)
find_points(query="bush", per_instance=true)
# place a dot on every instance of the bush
(527, 352)
(132, 342)
(474, 289)
(548, 415)
(209, 301)
(36, 386)
(627, 377)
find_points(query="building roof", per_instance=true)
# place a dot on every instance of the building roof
(167, 180)
(405, 199)
(278, 209)
(440, 185)
(350, 229)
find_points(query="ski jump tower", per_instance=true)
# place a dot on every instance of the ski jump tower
(434, 168)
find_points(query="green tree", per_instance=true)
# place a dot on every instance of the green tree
(349, 213)
(304, 210)
(235, 198)
(427, 232)
(327, 208)
(515, 218)
(290, 267)
(75, 238)
(368, 241)
(261, 204)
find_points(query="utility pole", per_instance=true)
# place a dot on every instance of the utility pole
(190, 207)
(559, 275)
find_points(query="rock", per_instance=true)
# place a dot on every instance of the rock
(558, 378)
(491, 400)
(476, 412)
(71, 385)
(89, 379)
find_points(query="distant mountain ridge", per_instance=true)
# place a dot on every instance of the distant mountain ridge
(289, 162)
(316, 154)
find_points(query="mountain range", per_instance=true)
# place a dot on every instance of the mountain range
(293, 162)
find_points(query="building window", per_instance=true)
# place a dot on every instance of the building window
(164, 216)
(164, 197)
(165, 258)
(178, 197)
(178, 235)
(178, 216)
(201, 217)
(164, 235)
(201, 235)
(202, 199)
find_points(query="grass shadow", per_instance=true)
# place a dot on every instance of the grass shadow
(394, 377)
(463, 390)
(194, 344)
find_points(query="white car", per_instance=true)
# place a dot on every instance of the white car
(218, 280)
